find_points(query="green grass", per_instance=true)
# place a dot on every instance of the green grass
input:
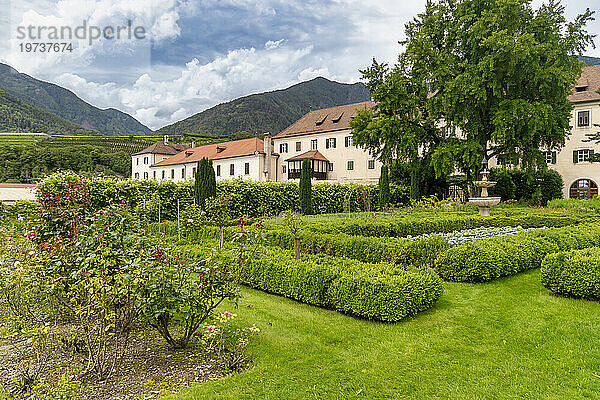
(508, 339)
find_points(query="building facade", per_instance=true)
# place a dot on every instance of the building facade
(581, 177)
(159, 151)
(252, 159)
(324, 137)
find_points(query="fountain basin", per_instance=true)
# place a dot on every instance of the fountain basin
(484, 204)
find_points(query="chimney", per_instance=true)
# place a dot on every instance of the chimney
(193, 145)
(268, 155)
(166, 140)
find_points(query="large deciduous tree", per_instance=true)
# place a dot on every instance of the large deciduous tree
(499, 71)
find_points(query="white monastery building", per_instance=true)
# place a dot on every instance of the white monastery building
(324, 137)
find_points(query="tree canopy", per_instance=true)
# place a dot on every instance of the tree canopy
(476, 79)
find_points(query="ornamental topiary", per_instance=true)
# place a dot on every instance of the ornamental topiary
(305, 189)
(574, 273)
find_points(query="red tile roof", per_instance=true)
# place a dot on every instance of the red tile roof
(325, 120)
(310, 155)
(236, 148)
(590, 81)
(162, 148)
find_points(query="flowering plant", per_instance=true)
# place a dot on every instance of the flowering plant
(227, 341)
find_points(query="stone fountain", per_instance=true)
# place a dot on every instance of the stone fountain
(484, 202)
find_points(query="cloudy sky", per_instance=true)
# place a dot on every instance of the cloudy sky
(198, 53)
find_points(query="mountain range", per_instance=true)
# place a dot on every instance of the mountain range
(270, 111)
(27, 104)
(65, 104)
(19, 116)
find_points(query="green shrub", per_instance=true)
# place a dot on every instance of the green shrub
(573, 273)
(365, 249)
(489, 259)
(382, 292)
(505, 187)
(414, 225)
(248, 198)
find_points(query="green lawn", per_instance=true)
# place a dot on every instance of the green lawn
(508, 339)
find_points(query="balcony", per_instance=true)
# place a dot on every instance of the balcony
(296, 173)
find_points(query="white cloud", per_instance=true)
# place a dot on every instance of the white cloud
(199, 86)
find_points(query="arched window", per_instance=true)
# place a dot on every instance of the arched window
(583, 189)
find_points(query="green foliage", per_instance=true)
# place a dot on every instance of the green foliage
(485, 260)
(374, 291)
(416, 252)
(539, 186)
(306, 206)
(65, 104)
(271, 111)
(247, 198)
(205, 182)
(573, 273)
(576, 205)
(384, 188)
(501, 77)
(505, 186)
(19, 116)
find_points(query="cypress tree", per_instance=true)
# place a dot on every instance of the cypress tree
(384, 188)
(212, 184)
(202, 187)
(305, 189)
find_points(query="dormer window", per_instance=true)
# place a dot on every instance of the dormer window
(581, 88)
(321, 121)
(188, 153)
(220, 149)
(337, 119)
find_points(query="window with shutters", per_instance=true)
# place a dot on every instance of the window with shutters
(298, 146)
(313, 144)
(349, 141)
(330, 143)
(163, 174)
(182, 173)
(145, 176)
(137, 161)
(247, 168)
(154, 174)
(283, 148)
(172, 174)
(218, 170)
(231, 169)
(350, 165)
(283, 169)
(330, 167)
(146, 160)
(583, 118)
(371, 164)
(137, 175)
(582, 155)
(550, 157)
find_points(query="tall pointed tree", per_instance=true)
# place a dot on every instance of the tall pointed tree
(384, 188)
(305, 189)
(204, 185)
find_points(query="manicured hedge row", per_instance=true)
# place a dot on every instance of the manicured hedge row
(382, 292)
(418, 225)
(417, 252)
(485, 260)
(573, 273)
(248, 198)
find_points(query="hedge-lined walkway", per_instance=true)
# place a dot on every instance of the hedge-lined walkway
(506, 339)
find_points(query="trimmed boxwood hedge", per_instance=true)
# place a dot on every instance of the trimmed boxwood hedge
(489, 259)
(416, 252)
(574, 273)
(414, 225)
(382, 292)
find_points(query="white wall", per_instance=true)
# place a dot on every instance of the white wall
(339, 156)
(256, 163)
(9, 195)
